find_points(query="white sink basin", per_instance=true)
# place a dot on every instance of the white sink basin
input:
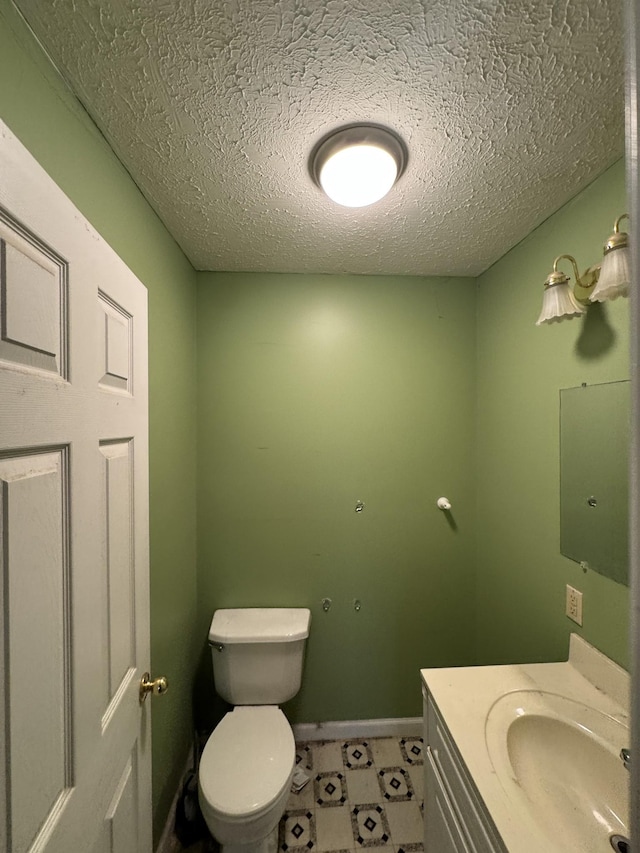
(560, 760)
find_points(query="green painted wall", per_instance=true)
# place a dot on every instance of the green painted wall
(314, 392)
(50, 122)
(521, 574)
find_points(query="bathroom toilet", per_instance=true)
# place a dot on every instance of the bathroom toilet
(248, 762)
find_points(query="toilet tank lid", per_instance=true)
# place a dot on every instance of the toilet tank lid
(260, 624)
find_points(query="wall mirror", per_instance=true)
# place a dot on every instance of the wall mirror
(594, 488)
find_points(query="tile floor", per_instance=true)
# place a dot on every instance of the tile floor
(362, 795)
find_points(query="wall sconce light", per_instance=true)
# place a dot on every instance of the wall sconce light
(357, 165)
(608, 280)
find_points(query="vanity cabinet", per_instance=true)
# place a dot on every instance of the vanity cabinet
(456, 820)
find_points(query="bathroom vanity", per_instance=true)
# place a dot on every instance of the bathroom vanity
(526, 758)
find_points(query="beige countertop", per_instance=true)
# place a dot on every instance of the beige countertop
(465, 695)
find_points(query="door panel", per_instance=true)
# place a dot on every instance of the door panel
(118, 602)
(33, 280)
(115, 344)
(121, 816)
(38, 749)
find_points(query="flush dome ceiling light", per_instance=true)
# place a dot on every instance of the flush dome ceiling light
(358, 164)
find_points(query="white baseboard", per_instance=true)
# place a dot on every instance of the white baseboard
(168, 842)
(341, 729)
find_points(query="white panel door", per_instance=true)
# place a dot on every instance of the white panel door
(74, 599)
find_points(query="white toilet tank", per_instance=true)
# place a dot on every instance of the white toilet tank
(258, 653)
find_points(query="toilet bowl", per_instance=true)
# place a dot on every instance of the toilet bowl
(245, 776)
(247, 764)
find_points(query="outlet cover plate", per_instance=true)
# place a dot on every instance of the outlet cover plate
(573, 606)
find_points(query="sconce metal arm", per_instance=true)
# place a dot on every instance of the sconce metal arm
(584, 282)
(574, 264)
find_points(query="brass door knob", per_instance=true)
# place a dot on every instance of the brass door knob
(159, 686)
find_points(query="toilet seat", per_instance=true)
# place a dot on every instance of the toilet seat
(247, 762)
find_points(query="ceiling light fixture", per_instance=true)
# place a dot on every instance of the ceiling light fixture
(358, 164)
(597, 284)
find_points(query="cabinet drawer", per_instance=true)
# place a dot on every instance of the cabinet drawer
(481, 831)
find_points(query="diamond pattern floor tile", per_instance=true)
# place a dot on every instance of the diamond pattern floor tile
(405, 822)
(330, 789)
(357, 755)
(327, 755)
(386, 752)
(297, 831)
(395, 784)
(412, 750)
(363, 785)
(417, 781)
(370, 826)
(304, 757)
(333, 830)
(303, 799)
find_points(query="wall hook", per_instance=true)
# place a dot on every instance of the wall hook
(443, 504)
(326, 604)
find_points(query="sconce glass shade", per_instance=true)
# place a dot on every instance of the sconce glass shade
(357, 165)
(559, 303)
(615, 276)
(615, 273)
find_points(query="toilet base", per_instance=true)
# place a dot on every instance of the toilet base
(266, 845)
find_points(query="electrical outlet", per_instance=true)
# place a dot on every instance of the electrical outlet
(573, 607)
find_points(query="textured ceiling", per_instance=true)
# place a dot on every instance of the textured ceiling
(508, 109)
